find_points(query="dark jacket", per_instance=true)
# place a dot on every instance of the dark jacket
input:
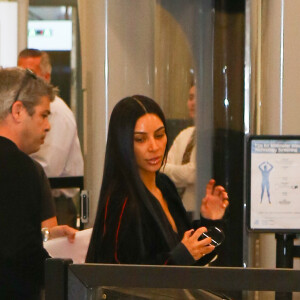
(143, 234)
(22, 254)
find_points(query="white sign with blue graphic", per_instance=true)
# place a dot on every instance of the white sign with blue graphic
(275, 184)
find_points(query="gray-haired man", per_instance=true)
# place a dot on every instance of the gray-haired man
(24, 110)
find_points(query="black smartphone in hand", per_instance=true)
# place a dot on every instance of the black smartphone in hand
(216, 234)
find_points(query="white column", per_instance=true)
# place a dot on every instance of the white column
(92, 21)
(275, 82)
(8, 34)
(22, 24)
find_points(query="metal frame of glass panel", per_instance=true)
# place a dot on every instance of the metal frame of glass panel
(82, 281)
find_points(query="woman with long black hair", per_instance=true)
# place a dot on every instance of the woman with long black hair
(140, 217)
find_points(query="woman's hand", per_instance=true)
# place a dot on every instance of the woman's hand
(215, 202)
(197, 248)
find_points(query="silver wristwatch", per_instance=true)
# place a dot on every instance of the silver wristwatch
(45, 234)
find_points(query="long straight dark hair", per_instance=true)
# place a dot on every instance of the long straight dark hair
(120, 174)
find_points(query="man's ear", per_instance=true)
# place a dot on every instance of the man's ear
(47, 76)
(17, 110)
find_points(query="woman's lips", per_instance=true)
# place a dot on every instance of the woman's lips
(153, 161)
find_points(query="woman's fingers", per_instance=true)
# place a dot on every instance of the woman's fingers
(222, 194)
(197, 248)
(218, 190)
(202, 241)
(188, 234)
(225, 199)
(210, 186)
(225, 202)
(199, 232)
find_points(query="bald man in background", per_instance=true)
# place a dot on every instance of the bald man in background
(60, 155)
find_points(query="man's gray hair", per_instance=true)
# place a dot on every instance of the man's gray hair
(32, 89)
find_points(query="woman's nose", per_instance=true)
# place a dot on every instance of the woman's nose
(153, 145)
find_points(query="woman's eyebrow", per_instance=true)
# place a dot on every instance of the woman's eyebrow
(143, 132)
(160, 128)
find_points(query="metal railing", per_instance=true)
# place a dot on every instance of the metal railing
(65, 280)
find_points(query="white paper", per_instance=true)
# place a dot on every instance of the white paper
(62, 248)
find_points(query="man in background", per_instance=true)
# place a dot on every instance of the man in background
(60, 155)
(24, 110)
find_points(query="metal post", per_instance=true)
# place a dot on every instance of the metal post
(56, 278)
(284, 258)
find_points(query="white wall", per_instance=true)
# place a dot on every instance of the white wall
(291, 80)
(8, 34)
(280, 67)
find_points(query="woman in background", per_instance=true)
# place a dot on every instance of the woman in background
(140, 217)
(181, 163)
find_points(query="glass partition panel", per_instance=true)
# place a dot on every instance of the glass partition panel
(201, 43)
(159, 49)
(162, 49)
(53, 28)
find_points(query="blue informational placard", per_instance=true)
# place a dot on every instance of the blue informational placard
(273, 183)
